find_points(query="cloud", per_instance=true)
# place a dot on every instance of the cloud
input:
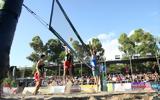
(110, 44)
(130, 33)
(104, 37)
(111, 49)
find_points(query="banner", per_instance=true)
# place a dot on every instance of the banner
(9, 90)
(148, 87)
(75, 88)
(155, 86)
(138, 85)
(122, 87)
(88, 88)
(57, 89)
(110, 87)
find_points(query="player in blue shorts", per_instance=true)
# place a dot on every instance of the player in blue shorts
(95, 70)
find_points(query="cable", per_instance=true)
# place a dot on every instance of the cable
(36, 16)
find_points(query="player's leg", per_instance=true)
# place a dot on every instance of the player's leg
(38, 84)
(93, 74)
(70, 70)
(65, 69)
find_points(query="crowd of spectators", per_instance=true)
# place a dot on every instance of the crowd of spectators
(141, 77)
(59, 81)
(110, 78)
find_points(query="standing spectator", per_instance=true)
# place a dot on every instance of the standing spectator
(127, 69)
(88, 80)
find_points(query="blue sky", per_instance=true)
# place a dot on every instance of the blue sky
(104, 19)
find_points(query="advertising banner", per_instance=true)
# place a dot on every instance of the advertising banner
(110, 87)
(75, 88)
(58, 89)
(122, 86)
(138, 85)
(9, 91)
(88, 88)
(155, 86)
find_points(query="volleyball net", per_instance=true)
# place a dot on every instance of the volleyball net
(61, 26)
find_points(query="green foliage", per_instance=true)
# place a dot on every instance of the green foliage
(84, 52)
(95, 44)
(18, 73)
(13, 83)
(157, 39)
(37, 45)
(28, 72)
(137, 36)
(53, 50)
(7, 80)
(62, 55)
(33, 68)
(123, 38)
(52, 72)
(76, 45)
(78, 48)
(116, 68)
(142, 67)
(127, 46)
(140, 42)
(33, 57)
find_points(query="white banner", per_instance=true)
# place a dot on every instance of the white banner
(9, 90)
(57, 89)
(122, 86)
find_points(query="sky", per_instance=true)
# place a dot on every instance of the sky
(103, 19)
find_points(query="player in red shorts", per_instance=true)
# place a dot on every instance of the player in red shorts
(68, 63)
(39, 74)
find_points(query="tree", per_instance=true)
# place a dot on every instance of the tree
(27, 71)
(116, 68)
(140, 42)
(84, 51)
(33, 57)
(96, 44)
(157, 39)
(127, 46)
(38, 47)
(53, 50)
(79, 49)
(144, 43)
